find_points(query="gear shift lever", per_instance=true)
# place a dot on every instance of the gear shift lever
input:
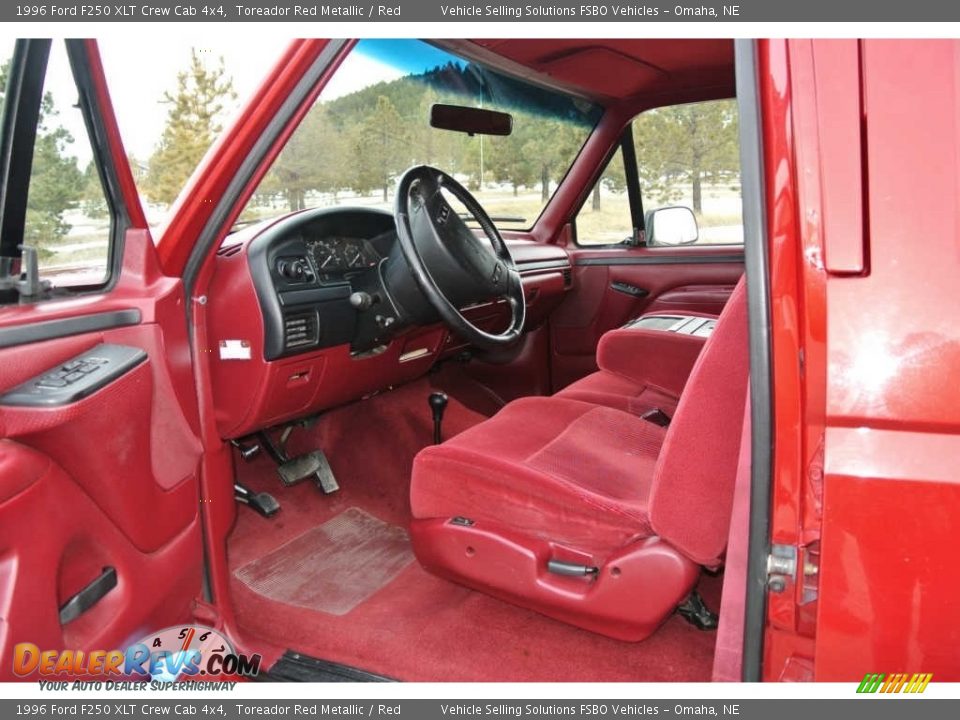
(438, 403)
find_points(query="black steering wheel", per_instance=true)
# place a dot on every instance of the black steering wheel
(451, 265)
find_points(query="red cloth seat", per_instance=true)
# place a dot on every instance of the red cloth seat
(557, 469)
(640, 370)
(621, 392)
(558, 479)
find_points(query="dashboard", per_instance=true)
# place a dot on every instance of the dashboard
(315, 275)
(299, 318)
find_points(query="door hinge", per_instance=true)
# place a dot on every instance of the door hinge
(781, 567)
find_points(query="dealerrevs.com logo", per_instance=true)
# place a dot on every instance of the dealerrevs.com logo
(895, 683)
(188, 653)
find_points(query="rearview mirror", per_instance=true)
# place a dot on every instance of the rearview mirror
(473, 121)
(674, 225)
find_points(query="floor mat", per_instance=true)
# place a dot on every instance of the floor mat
(334, 567)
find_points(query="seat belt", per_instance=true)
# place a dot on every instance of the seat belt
(657, 417)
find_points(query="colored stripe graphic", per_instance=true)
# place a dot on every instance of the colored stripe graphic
(870, 683)
(894, 683)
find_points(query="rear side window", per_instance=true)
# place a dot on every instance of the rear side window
(605, 217)
(687, 156)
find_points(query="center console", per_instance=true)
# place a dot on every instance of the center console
(683, 324)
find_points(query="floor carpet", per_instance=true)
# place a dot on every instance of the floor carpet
(415, 626)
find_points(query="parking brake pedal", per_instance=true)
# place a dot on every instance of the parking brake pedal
(309, 465)
(264, 503)
(248, 450)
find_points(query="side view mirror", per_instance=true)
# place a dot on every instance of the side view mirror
(674, 225)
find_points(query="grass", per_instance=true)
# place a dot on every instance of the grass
(719, 222)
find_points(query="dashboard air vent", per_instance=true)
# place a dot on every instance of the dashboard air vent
(567, 277)
(301, 330)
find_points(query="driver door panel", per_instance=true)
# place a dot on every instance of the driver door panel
(100, 537)
(107, 481)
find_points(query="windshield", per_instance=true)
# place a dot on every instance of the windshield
(371, 123)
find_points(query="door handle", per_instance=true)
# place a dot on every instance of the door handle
(628, 289)
(89, 596)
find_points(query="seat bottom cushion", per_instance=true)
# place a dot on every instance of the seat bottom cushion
(558, 469)
(621, 393)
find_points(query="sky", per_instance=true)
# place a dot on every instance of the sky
(140, 68)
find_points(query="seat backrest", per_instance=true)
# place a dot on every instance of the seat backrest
(692, 492)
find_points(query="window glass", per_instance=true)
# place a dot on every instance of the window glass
(688, 155)
(605, 217)
(171, 108)
(68, 220)
(371, 122)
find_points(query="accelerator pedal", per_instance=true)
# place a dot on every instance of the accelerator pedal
(309, 465)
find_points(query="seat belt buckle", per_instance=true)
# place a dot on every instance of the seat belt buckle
(657, 417)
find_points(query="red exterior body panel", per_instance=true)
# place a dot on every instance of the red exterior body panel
(864, 339)
(892, 487)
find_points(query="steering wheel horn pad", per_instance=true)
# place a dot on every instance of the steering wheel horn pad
(450, 264)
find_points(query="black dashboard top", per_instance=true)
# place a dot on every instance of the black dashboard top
(305, 268)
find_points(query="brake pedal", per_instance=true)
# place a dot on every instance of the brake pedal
(263, 503)
(309, 465)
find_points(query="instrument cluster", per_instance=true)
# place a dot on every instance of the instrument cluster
(334, 257)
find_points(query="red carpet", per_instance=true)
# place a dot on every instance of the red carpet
(418, 627)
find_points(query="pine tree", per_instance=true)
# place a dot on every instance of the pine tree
(316, 158)
(382, 149)
(193, 122)
(56, 183)
(94, 201)
(686, 145)
(550, 148)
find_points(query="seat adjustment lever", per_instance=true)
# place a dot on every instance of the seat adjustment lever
(657, 417)
(560, 567)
